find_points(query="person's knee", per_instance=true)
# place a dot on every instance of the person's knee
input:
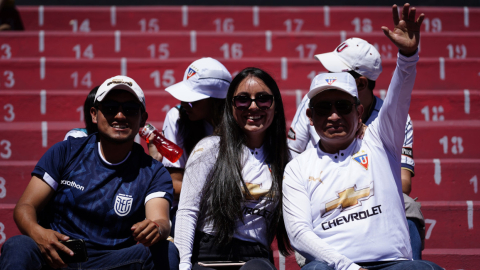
(258, 264)
(317, 265)
(19, 242)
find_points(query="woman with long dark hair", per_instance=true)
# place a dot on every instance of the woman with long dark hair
(90, 127)
(230, 206)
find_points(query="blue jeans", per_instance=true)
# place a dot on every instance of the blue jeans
(21, 252)
(415, 240)
(395, 265)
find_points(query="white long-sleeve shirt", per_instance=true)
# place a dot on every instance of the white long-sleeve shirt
(256, 211)
(347, 207)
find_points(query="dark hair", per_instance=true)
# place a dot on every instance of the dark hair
(89, 103)
(371, 84)
(222, 195)
(193, 131)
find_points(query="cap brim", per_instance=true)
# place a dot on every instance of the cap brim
(182, 92)
(332, 63)
(320, 89)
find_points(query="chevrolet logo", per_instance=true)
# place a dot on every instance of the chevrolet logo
(347, 198)
(256, 191)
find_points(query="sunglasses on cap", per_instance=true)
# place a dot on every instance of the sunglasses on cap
(324, 108)
(111, 108)
(243, 102)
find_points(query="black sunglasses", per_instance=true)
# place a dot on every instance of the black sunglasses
(324, 108)
(243, 102)
(110, 108)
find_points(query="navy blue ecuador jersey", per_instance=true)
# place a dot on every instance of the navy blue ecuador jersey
(95, 200)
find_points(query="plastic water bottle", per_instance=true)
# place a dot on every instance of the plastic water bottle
(167, 148)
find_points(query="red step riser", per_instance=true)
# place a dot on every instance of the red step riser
(452, 228)
(453, 259)
(60, 73)
(16, 176)
(242, 18)
(446, 179)
(251, 44)
(6, 218)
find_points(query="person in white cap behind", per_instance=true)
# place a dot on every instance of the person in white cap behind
(202, 95)
(342, 201)
(103, 189)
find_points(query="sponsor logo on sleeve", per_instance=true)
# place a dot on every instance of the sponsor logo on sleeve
(407, 151)
(72, 184)
(123, 204)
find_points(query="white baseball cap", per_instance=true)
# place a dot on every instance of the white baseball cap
(203, 79)
(122, 83)
(342, 81)
(354, 54)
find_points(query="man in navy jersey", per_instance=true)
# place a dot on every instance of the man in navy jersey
(102, 188)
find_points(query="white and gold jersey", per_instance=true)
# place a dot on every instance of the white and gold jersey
(348, 207)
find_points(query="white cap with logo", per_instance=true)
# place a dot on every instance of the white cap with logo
(122, 83)
(342, 81)
(354, 54)
(203, 79)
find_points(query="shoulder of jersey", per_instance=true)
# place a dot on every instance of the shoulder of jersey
(305, 158)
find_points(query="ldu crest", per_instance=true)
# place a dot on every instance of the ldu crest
(123, 204)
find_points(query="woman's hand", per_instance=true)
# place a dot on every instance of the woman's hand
(152, 149)
(361, 131)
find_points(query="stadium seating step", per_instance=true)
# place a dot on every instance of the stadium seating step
(177, 44)
(230, 18)
(290, 73)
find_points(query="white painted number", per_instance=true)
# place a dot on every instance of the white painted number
(163, 52)
(7, 51)
(3, 237)
(88, 53)
(385, 50)
(9, 77)
(437, 113)
(86, 79)
(224, 26)
(435, 26)
(234, 51)
(84, 26)
(80, 110)
(457, 51)
(6, 147)
(150, 25)
(165, 81)
(474, 182)
(457, 147)
(307, 47)
(3, 190)
(9, 108)
(289, 24)
(432, 223)
(364, 25)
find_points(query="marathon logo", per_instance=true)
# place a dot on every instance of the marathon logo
(72, 184)
(352, 217)
(291, 134)
(257, 212)
(407, 152)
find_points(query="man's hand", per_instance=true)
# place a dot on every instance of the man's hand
(48, 242)
(146, 232)
(406, 34)
(152, 149)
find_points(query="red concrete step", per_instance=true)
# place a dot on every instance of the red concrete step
(67, 73)
(231, 18)
(446, 179)
(8, 228)
(446, 139)
(451, 224)
(16, 175)
(175, 44)
(454, 259)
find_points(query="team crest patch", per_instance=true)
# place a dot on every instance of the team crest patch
(330, 81)
(123, 204)
(190, 72)
(362, 160)
(291, 134)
